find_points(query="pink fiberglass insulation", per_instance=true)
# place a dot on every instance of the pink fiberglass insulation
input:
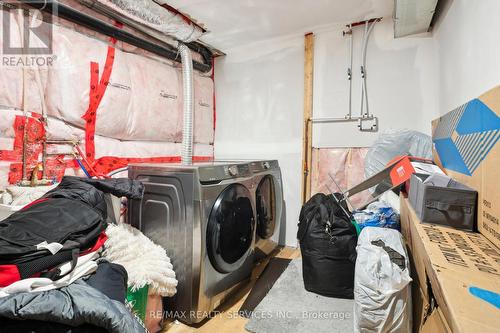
(143, 100)
(105, 146)
(346, 165)
(138, 115)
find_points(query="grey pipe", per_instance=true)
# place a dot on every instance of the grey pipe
(364, 89)
(363, 69)
(349, 71)
(188, 98)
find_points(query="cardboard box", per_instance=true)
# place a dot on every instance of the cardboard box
(436, 323)
(466, 146)
(420, 307)
(447, 263)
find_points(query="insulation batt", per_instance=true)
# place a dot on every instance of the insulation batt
(345, 164)
(143, 100)
(140, 114)
(105, 146)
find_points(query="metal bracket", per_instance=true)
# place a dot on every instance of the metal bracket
(368, 124)
(366, 121)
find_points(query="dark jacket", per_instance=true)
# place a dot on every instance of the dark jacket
(73, 214)
(77, 305)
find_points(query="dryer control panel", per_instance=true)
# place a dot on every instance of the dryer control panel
(217, 173)
(261, 166)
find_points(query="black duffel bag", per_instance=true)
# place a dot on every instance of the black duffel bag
(328, 244)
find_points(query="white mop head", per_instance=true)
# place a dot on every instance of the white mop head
(145, 262)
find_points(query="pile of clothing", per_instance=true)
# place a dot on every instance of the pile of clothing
(52, 275)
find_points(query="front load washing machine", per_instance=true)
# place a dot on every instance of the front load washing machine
(270, 206)
(204, 216)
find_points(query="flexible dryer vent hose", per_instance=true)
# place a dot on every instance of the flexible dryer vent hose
(188, 97)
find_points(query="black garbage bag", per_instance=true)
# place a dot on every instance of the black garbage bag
(328, 244)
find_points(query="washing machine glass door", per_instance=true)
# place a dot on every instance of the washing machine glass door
(266, 207)
(230, 229)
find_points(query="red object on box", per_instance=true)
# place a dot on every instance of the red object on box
(398, 171)
(402, 169)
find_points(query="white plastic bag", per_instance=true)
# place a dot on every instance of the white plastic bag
(382, 289)
(395, 143)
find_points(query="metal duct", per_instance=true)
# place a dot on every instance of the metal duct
(412, 16)
(161, 49)
(188, 98)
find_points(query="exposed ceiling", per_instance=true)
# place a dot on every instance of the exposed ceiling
(232, 23)
(413, 17)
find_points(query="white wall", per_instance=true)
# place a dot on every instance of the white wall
(468, 44)
(401, 80)
(411, 81)
(259, 91)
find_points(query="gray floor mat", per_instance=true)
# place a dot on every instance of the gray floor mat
(289, 308)
(264, 283)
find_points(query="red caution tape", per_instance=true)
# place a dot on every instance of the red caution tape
(106, 164)
(56, 167)
(35, 134)
(97, 91)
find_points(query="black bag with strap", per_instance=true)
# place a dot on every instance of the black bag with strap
(328, 242)
(73, 215)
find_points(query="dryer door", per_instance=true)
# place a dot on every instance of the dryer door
(230, 229)
(266, 207)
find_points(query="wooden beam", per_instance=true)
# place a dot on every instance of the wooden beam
(308, 109)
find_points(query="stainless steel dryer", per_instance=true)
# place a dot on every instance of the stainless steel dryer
(204, 216)
(270, 206)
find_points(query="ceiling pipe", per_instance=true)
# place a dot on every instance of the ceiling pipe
(364, 89)
(188, 99)
(355, 24)
(161, 49)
